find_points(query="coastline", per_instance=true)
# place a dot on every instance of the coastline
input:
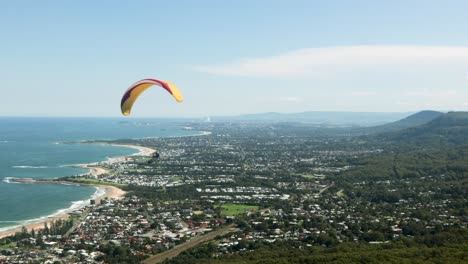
(96, 170)
(142, 151)
(102, 191)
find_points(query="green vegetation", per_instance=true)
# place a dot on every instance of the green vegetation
(91, 181)
(414, 120)
(141, 159)
(345, 253)
(6, 244)
(341, 193)
(119, 254)
(22, 238)
(339, 197)
(177, 178)
(409, 197)
(235, 209)
(312, 176)
(445, 131)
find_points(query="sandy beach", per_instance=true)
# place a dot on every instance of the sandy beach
(94, 168)
(143, 151)
(108, 192)
(35, 226)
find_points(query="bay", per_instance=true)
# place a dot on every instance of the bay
(32, 148)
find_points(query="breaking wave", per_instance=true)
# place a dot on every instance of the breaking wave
(30, 167)
(8, 180)
(75, 205)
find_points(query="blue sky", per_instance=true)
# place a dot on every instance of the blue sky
(76, 58)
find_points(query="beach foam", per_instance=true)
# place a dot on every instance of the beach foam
(6, 179)
(74, 206)
(50, 142)
(9, 180)
(30, 167)
(8, 228)
(100, 191)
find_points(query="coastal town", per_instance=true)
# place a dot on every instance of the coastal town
(246, 186)
(234, 132)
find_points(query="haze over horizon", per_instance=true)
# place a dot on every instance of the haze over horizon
(76, 59)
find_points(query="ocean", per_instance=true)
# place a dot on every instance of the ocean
(32, 148)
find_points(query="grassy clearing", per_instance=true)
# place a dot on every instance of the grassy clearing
(340, 193)
(235, 209)
(312, 176)
(177, 178)
(11, 245)
(141, 159)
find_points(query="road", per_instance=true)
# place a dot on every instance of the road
(77, 222)
(188, 245)
(326, 188)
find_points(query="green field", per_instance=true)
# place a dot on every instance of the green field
(177, 178)
(8, 246)
(141, 159)
(235, 209)
(311, 176)
(340, 194)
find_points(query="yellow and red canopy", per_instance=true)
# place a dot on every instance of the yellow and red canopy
(132, 93)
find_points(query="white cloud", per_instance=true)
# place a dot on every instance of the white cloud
(288, 99)
(432, 93)
(306, 62)
(363, 93)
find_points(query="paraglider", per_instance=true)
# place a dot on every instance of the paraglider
(154, 157)
(132, 93)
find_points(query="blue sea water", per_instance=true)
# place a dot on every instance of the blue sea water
(30, 148)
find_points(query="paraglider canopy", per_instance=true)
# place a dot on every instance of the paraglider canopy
(132, 93)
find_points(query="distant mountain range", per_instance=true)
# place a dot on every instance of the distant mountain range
(319, 118)
(414, 120)
(422, 129)
(445, 129)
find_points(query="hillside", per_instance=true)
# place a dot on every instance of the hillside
(447, 129)
(414, 120)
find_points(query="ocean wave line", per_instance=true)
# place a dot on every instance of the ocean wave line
(9, 180)
(75, 205)
(8, 228)
(30, 167)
